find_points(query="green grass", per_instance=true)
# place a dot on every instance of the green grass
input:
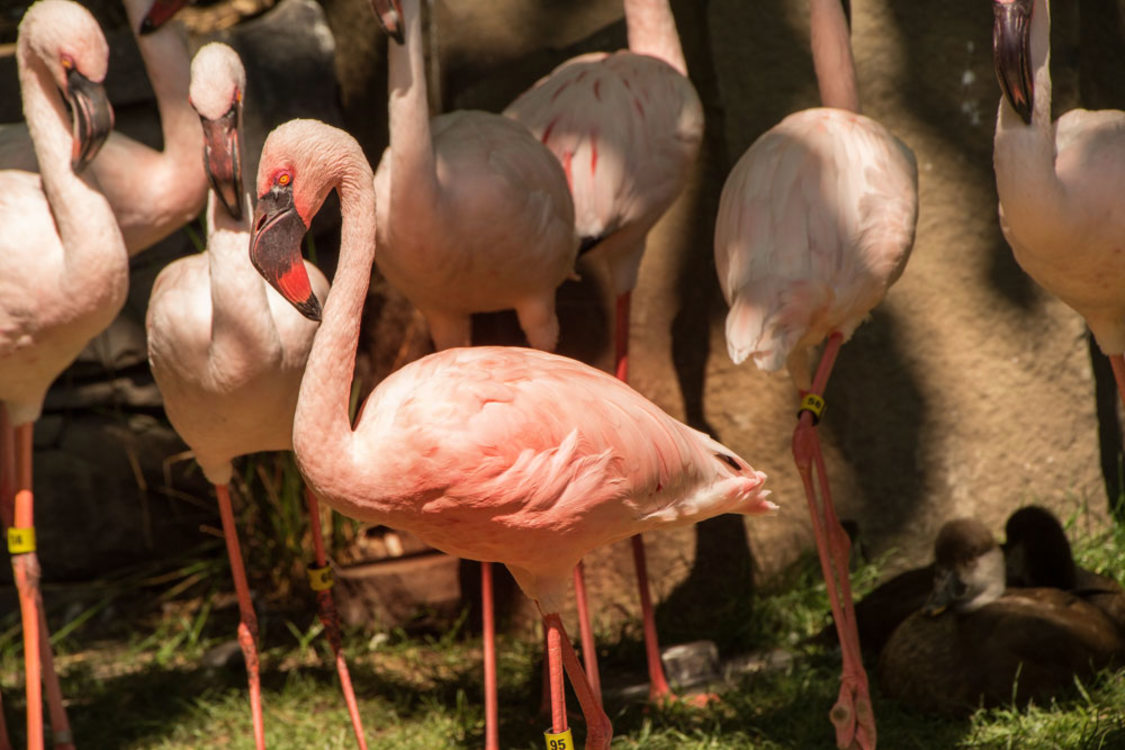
(136, 673)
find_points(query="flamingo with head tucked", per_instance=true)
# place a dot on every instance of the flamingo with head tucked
(1060, 183)
(627, 127)
(152, 192)
(63, 278)
(504, 454)
(227, 352)
(816, 221)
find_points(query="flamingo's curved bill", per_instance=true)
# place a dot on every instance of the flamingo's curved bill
(92, 117)
(223, 158)
(1011, 48)
(275, 249)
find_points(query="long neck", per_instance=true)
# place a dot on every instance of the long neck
(652, 31)
(414, 177)
(1032, 197)
(832, 55)
(242, 328)
(322, 432)
(85, 223)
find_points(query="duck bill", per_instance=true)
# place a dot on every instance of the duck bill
(92, 118)
(389, 13)
(160, 13)
(1011, 50)
(947, 590)
(275, 250)
(223, 159)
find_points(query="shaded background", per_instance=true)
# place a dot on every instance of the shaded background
(969, 391)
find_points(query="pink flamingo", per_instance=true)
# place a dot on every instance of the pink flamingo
(228, 353)
(626, 127)
(816, 221)
(504, 454)
(474, 216)
(1060, 184)
(63, 277)
(153, 193)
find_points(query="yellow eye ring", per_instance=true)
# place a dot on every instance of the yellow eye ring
(284, 179)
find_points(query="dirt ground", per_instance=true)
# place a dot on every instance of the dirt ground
(970, 390)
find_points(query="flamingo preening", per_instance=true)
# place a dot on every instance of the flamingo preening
(474, 216)
(468, 448)
(228, 353)
(1060, 183)
(816, 221)
(627, 128)
(64, 273)
(153, 193)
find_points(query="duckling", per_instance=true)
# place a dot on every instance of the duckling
(994, 645)
(1037, 553)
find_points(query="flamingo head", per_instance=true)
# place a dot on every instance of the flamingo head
(67, 40)
(294, 178)
(1011, 51)
(389, 13)
(217, 82)
(160, 13)
(968, 567)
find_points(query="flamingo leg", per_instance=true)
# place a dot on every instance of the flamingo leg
(326, 609)
(659, 689)
(561, 655)
(248, 626)
(7, 499)
(1117, 361)
(852, 715)
(488, 626)
(586, 632)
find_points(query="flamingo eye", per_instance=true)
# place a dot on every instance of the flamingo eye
(67, 62)
(284, 179)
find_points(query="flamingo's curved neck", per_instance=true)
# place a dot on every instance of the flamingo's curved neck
(322, 432)
(832, 55)
(165, 55)
(1032, 196)
(652, 31)
(86, 227)
(413, 173)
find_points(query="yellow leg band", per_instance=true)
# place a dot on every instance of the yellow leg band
(21, 540)
(320, 578)
(561, 741)
(813, 404)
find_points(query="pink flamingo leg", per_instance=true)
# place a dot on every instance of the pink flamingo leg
(589, 652)
(25, 570)
(326, 609)
(658, 690)
(488, 626)
(1117, 361)
(7, 500)
(852, 715)
(61, 735)
(560, 655)
(248, 626)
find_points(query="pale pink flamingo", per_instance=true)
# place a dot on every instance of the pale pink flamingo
(474, 216)
(502, 454)
(64, 274)
(627, 127)
(153, 193)
(815, 223)
(1060, 184)
(227, 352)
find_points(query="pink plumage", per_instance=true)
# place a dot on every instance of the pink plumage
(815, 222)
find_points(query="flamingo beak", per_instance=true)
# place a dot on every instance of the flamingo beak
(159, 14)
(92, 115)
(1011, 50)
(389, 13)
(223, 158)
(275, 249)
(948, 588)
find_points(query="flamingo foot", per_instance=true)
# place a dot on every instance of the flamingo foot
(853, 716)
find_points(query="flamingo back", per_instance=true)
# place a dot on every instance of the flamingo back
(627, 130)
(524, 457)
(815, 222)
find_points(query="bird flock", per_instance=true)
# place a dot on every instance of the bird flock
(517, 455)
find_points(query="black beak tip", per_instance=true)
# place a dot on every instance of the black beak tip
(310, 308)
